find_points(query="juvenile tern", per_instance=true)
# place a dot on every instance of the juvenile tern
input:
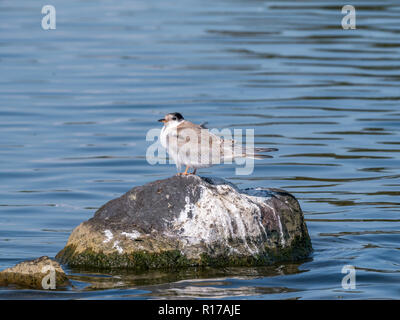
(195, 147)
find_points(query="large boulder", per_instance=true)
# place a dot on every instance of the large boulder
(190, 221)
(41, 273)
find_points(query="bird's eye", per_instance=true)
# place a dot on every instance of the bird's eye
(174, 118)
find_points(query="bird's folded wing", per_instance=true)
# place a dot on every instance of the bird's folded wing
(190, 140)
(192, 143)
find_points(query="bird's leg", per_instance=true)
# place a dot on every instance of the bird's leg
(184, 173)
(194, 171)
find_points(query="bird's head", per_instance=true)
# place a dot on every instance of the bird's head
(172, 119)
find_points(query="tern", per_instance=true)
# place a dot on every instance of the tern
(196, 147)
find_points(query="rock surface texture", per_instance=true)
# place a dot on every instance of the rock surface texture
(35, 274)
(190, 221)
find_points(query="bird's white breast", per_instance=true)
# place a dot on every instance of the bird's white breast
(167, 130)
(163, 137)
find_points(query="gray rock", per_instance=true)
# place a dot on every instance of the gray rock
(35, 274)
(190, 221)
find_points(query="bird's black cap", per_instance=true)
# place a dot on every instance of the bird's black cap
(177, 115)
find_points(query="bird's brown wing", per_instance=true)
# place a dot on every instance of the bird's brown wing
(191, 139)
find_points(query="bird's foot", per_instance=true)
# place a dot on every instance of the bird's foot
(182, 174)
(186, 173)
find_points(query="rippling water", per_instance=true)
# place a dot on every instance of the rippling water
(76, 103)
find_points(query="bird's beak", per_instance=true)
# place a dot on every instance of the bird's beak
(161, 120)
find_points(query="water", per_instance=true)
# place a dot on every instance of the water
(76, 103)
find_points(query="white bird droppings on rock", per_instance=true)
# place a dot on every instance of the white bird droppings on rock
(220, 215)
(109, 236)
(131, 235)
(116, 246)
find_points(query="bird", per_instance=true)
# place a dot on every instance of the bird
(196, 147)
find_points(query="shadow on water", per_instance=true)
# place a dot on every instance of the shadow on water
(158, 277)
